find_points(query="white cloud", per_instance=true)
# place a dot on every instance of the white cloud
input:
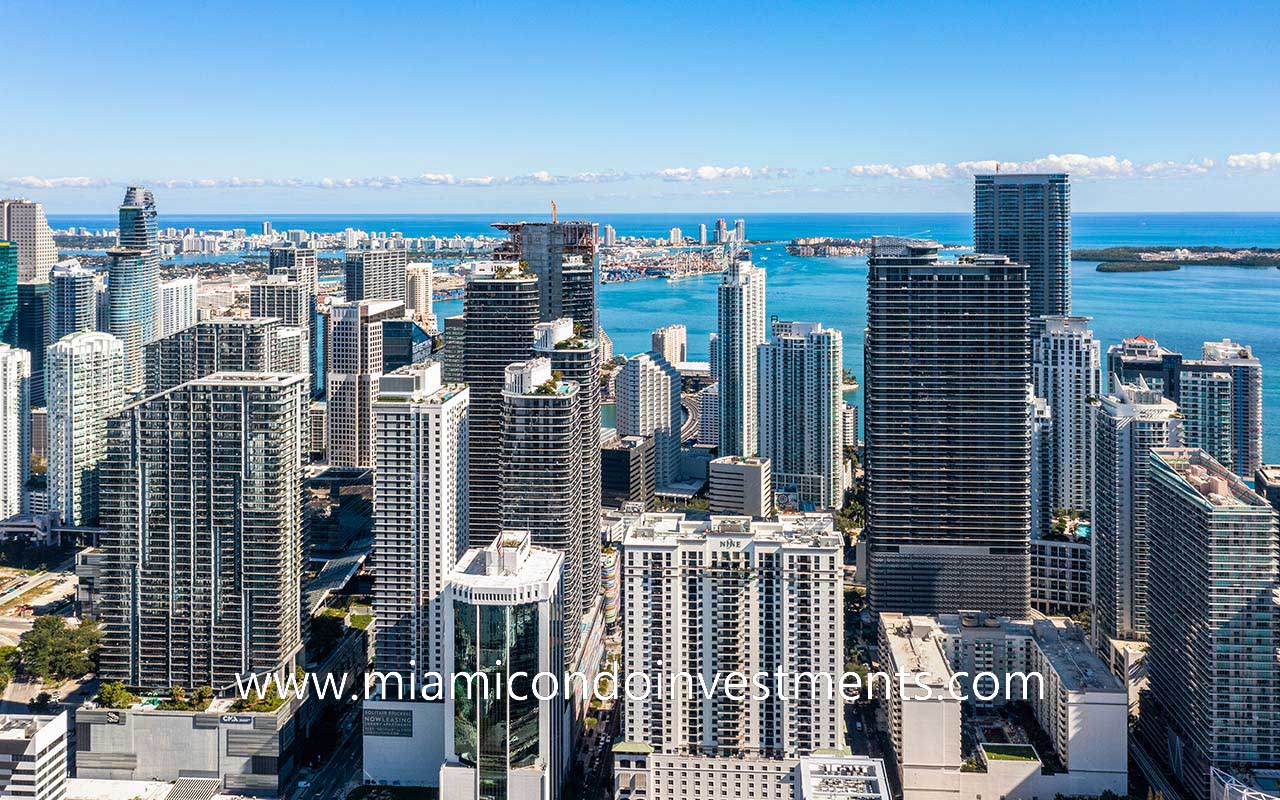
(1254, 161)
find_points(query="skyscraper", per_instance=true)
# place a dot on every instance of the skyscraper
(202, 504)
(541, 474)
(672, 343)
(86, 388)
(501, 611)
(23, 223)
(32, 322)
(133, 269)
(376, 275)
(741, 330)
(8, 292)
(562, 255)
(419, 289)
(801, 412)
(1066, 362)
(355, 336)
(732, 595)
(420, 517)
(648, 404)
(576, 356)
(298, 264)
(1220, 395)
(226, 344)
(177, 305)
(1127, 425)
(947, 431)
(500, 310)
(15, 431)
(1028, 219)
(73, 299)
(1214, 620)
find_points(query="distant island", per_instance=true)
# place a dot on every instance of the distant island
(1169, 258)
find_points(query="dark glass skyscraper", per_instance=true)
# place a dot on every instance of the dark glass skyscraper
(133, 270)
(948, 433)
(1028, 219)
(8, 292)
(32, 328)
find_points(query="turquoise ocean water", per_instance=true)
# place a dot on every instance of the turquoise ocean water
(1181, 309)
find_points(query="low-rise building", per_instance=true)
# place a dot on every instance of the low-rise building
(959, 726)
(1062, 573)
(741, 485)
(33, 756)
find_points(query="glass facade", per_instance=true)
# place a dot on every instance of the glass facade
(493, 730)
(8, 293)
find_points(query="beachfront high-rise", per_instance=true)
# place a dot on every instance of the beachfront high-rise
(648, 404)
(502, 612)
(541, 474)
(576, 356)
(1066, 362)
(562, 255)
(740, 331)
(1127, 425)
(355, 341)
(376, 275)
(500, 310)
(86, 388)
(947, 431)
(133, 269)
(73, 299)
(672, 343)
(420, 516)
(202, 505)
(1214, 620)
(802, 412)
(15, 421)
(23, 223)
(1028, 219)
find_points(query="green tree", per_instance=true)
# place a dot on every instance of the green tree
(52, 650)
(114, 695)
(40, 703)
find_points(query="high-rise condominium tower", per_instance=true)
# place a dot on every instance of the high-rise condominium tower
(202, 496)
(801, 411)
(297, 264)
(8, 292)
(86, 388)
(177, 308)
(355, 334)
(133, 269)
(501, 308)
(672, 343)
(376, 275)
(1028, 219)
(1127, 425)
(23, 223)
(948, 431)
(648, 404)
(562, 255)
(15, 421)
(1066, 371)
(1220, 395)
(1214, 620)
(228, 344)
(576, 356)
(420, 517)
(732, 595)
(418, 290)
(73, 299)
(502, 612)
(542, 474)
(741, 330)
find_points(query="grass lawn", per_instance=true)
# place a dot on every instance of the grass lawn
(1010, 752)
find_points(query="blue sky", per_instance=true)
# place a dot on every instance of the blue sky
(458, 106)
